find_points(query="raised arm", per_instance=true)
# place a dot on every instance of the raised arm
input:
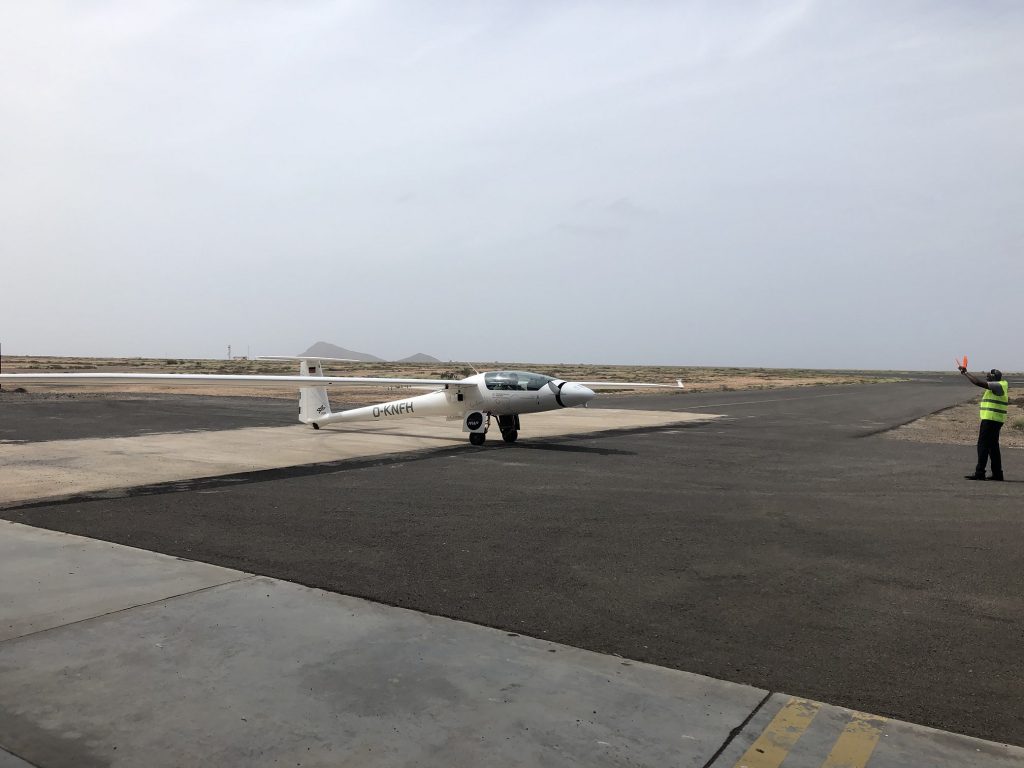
(974, 379)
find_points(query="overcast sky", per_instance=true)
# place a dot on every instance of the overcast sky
(819, 184)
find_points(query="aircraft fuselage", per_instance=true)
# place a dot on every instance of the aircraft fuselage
(498, 393)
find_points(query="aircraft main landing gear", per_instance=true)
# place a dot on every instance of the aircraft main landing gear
(509, 426)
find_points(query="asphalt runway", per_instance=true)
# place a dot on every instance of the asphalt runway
(787, 546)
(71, 415)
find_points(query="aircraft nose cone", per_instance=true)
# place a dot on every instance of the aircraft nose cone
(576, 394)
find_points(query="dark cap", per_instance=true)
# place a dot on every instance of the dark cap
(995, 375)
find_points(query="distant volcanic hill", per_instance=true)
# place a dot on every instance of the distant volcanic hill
(323, 349)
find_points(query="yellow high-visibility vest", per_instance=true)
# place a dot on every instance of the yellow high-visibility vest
(993, 406)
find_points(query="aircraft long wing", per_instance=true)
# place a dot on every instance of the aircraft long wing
(177, 379)
(258, 381)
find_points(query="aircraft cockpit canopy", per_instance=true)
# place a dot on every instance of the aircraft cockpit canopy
(522, 381)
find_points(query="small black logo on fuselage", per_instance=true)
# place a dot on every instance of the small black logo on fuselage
(474, 420)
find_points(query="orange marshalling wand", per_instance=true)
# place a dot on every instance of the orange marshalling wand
(963, 364)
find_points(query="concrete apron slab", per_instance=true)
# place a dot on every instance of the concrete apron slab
(231, 669)
(62, 467)
(263, 672)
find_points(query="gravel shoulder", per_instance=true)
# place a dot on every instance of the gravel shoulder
(959, 426)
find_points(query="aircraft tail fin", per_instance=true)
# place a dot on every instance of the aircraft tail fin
(313, 402)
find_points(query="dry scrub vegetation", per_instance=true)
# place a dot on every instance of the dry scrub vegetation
(695, 379)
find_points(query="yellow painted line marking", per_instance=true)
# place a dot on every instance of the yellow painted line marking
(781, 734)
(855, 744)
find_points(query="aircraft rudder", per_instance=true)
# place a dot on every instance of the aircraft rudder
(314, 405)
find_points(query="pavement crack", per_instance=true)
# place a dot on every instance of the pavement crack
(247, 577)
(12, 753)
(737, 731)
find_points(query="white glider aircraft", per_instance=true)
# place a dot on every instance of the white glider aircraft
(475, 400)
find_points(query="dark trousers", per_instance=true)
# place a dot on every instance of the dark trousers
(988, 446)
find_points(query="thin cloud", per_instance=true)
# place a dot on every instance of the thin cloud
(771, 183)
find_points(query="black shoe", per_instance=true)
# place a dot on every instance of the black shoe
(996, 477)
(974, 477)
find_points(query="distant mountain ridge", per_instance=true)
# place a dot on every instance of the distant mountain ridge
(323, 349)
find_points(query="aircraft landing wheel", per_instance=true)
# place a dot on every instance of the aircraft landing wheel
(509, 435)
(477, 438)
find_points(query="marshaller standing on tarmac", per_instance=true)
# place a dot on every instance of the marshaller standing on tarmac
(994, 404)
